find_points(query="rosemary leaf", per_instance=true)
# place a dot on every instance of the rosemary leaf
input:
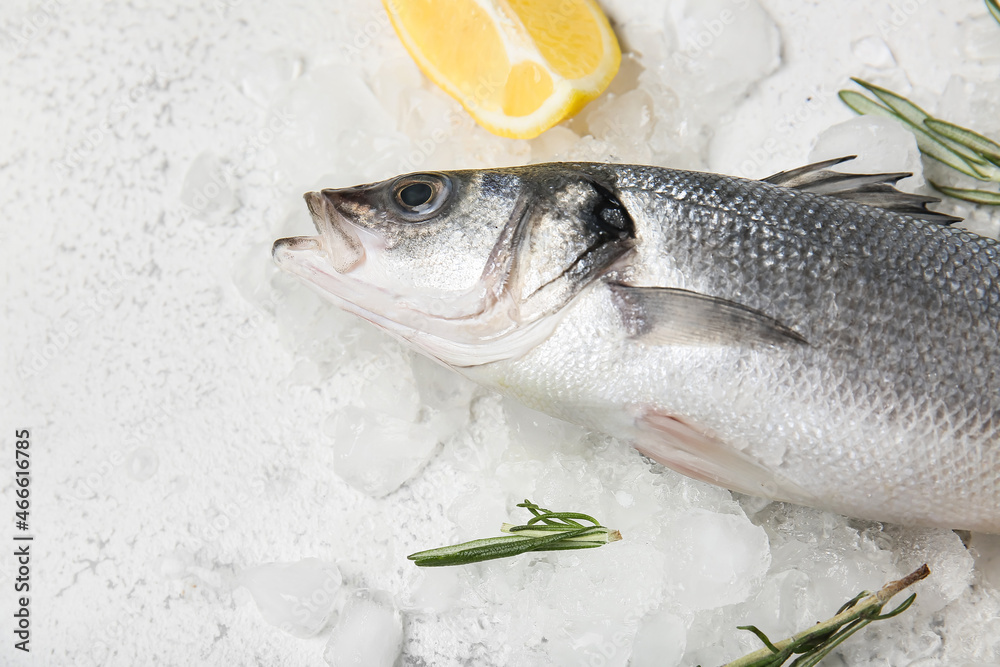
(864, 105)
(601, 534)
(917, 117)
(973, 140)
(821, 639)
(487, 549)
(971, 195)
(545, 531)
(928, 144)
(897, 103)
(565, 516)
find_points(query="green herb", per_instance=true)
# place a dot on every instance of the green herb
(960, 148)
(545, 531)
(817, 642)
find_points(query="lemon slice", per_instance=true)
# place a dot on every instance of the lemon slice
(518, 66)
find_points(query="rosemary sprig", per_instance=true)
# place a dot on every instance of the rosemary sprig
(817, 642)
(960, 148)
(545, 531)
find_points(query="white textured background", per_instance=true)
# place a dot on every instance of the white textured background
(183, 400)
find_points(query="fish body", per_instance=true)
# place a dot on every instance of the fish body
(781, 338)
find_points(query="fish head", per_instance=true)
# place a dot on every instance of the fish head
(469, 266)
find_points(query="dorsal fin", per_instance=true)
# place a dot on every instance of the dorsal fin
(871, 189)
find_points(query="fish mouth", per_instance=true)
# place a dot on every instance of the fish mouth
(339, 237)
(336, 263)
(467, 333)
(478, 326)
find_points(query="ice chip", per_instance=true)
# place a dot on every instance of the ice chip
(368, 633)
(539, 433)
(439, 387)
(438, 590)
(716, 559)
(660, 641)
(950, 563)
(340, 127)
(627, 122)
(873, 52)
(262, 75)
(143, 463)
(730, 46)
(206, 193)
(376, 452)
(297, 597)
(986, 550)
(983, 40)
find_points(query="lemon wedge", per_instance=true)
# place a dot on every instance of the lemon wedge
(518, 66)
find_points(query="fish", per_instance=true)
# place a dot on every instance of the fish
(816, 337)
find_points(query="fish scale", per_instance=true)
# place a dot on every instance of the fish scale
(805, 347)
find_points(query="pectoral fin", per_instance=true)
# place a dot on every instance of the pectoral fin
(669, 316)
(698, 454)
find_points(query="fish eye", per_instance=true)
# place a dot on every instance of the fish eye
(415, 194)
(418, 196)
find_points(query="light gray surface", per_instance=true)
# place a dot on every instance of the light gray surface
(179, 427)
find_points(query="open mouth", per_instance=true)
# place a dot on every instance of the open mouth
(340, 240)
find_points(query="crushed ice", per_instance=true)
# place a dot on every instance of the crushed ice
(695, 562)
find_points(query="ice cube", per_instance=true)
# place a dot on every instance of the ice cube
(437, 590)
(297, 597)
(942, 551)
(368, 633)
(716, 559)
(728, 46)
(262, 75)
(660, 641)
(982, 41)
(626, 121)
(206, 193)
(540, 434)
(339, 128)
(143, 463)
(986, 550)
(376, 452)
(874, 52)
(971, 104)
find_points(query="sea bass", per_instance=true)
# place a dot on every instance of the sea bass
(816, 337)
